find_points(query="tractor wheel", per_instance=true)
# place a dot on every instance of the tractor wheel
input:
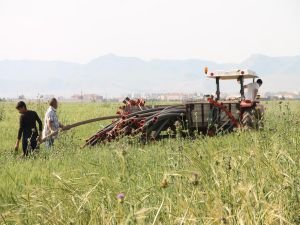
(250, 120)
(259, 114)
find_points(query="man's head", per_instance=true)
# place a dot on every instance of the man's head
(259, 81)
(21, 107)
(53, 102)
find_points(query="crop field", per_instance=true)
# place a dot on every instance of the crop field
(239, 178)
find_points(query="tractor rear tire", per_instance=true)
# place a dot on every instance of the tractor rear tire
(259, 114)
(249, 120)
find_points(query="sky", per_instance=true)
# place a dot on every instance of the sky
(80, 30)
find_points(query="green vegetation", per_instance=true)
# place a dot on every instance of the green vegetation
(240, 178)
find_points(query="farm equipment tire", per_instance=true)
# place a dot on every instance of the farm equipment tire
(259, 114)
(248, 120)
(252, 119)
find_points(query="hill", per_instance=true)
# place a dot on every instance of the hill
(114, 75)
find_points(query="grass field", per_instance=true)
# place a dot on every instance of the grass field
(240, 178)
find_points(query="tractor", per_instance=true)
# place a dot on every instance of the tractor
(214, 115)
(210, 116)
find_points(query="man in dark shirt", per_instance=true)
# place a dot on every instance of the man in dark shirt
(28, 128)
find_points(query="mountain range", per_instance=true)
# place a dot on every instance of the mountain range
(112, 75)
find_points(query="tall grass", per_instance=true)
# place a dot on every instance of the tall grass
(240, 178)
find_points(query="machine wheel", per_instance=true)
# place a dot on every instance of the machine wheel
(259, 113)
(248, 119)
(251, 119)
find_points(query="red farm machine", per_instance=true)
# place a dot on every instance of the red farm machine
(210, 116)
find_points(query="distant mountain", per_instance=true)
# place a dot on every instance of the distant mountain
(278, 73)
(114, 75)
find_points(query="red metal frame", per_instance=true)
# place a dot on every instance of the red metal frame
(228, 113)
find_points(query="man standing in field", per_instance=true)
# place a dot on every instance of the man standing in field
(28, 128)
(51, 123)
(252, 90)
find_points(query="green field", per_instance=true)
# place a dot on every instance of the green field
(240, 178)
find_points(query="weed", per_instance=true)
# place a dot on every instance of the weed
(239, 178)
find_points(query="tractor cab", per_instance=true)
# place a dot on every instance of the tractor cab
(238, 75)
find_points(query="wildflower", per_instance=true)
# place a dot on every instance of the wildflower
(194, 179)
(124, 152)
(164, 183)
(223, 220)
(229, 166)
(121, 197)
(169, 131)
(177, 124)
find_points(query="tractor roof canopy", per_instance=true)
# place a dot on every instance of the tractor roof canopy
(232, 75)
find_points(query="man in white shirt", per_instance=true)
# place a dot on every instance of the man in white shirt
(252, 90)
(51, 123)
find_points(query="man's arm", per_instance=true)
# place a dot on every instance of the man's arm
(39, 122)
(19, 133)
(255, 93)
(37, 118)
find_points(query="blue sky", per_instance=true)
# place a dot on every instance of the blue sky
(80, 30)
